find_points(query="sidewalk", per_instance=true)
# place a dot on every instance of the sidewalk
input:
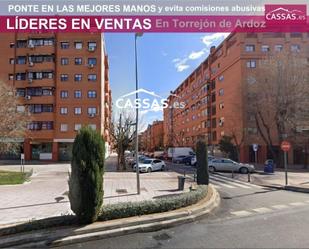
(46, 194)
(298, 180)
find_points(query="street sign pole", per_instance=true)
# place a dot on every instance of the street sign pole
(286, 168)
(285, 146)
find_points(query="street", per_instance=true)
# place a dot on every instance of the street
(250, 216)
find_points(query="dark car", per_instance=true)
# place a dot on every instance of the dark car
(183, 159)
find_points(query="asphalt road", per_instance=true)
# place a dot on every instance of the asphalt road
(249, 216)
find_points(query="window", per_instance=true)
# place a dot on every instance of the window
(12, 45)
(78, 45)
(34, 91)
(278, 47)
(63, 127)
(21, 76)
(64, 45)
(11, 76)
(92, 46)
(44, 125)
(78, 61)
(47, 108)
(64, 77)
(251, 64)
(20, 92)
(77, 110)
(221, 121)
(250, 48)
(20, 108)
(12, 61)
(92, 61)
(221, 92)
(252, 131)
(21, 44)
(92, 111)
(64, 61)
(64, 94)
(92, 126)
(265, 48)
(251, 80)
(63, 110)
(92, 94)
(221, 78)
(47, 91)
(221, 106)
(77, 127)
(78, 77)
(92, 77)
(78, 94)
(295, 48)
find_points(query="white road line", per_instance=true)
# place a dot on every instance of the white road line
(262, 210)
(297, 204)
(241, 213)
(231, 182)
(224, 185)
(280, 206)
(307, 201)
(238, 181)
(216, 186)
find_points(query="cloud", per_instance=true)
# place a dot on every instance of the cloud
(196, 55)
(209, 39)
(181, 68)
(183, 63)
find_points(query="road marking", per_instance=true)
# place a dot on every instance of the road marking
(297, 204)
(231, 182)
(238, 181)
(262, 210)
(224, 185)
(307, 201)
(280, 206)
(216, 186)
(241, 213)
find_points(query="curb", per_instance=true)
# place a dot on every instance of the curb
(287, 188)
(107, 229)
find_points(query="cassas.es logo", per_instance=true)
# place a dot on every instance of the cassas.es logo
(288, 13)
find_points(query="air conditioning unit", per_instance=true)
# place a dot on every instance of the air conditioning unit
(91, 49)
(30, 80)
(31, 64)
(28, 97)
(90, 65)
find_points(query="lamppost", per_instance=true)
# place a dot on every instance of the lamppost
(136, 115)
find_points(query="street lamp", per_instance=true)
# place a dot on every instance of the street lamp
(136, 111)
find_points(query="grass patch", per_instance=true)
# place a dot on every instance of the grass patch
(12, 177)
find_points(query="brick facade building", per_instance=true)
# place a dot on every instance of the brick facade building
(62, 80)
(216, 94)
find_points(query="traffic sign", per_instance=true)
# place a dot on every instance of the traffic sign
(285, 146)
(255, 147)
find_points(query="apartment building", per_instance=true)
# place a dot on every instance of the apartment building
(62, 80)
(216, 94)
(152, 138)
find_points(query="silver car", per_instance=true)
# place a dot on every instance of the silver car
(224, 164)
(150, 164)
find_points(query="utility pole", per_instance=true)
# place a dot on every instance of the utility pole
(136, 115)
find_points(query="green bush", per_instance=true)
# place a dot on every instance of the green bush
(202, 163)
(86, 179)
(129, 209)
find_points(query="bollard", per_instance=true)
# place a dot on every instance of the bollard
(232, 173)
(249, 176)
(184, 173)
(194, 177)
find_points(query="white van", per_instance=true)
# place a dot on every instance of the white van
(173, 152)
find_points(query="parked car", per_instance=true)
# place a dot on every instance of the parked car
(224, 164)
(174, 152)
(158, 154)
(193, 160)
(182, 159)
(131, 160)
(149, 165)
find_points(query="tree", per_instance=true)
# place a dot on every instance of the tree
(123, 134)
(86, 179)
(202, 163)
(279, 97)
(13, 122)
(226, 145)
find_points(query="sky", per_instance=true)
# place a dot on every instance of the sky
(165, 60)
